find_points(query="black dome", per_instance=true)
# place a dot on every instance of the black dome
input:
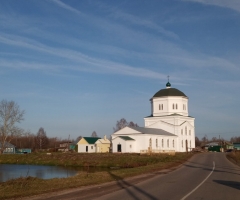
(169, 92)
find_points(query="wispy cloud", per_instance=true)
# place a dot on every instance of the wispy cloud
(134, 20)
(232, 4)
(82, 61)
(117, 14)
(65, 6)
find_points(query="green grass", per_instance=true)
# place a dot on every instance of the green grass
(129, 165)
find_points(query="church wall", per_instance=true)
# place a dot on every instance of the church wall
(127, 146)
(146, 142)
(169, 105)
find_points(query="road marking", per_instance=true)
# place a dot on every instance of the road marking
(199, 184)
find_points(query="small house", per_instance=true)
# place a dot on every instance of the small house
(23, 151)
(9, 148)
(236, 146)
(102, 145)
(87, 145)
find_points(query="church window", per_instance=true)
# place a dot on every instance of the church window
(173, 106)
(150, 142)
(182, 131)
(160, 106)
(190, 144)
(182, 143)
(130, 146)
(168, 143)
(173, 143)
(156, 142)
(176, 106)
(189, 132)
(185, 130)
(162, 143)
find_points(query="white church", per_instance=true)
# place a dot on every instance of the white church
(169, 128)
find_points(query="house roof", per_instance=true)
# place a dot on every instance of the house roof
(91, 140)
(152, 131)
(126, 138)
(7, 145)
(103, 141)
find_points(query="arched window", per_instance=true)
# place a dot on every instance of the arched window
(182, 143)
(168, 143)
(176, 106)
(173, 106)
(156, 142)
(173, 143)
(162, 143)
(189, 132)
(185, 130)
(182, 131)
(160, 106)
(150, 142)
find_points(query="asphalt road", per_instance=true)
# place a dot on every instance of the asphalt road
(204, 176)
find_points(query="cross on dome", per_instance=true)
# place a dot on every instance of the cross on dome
(168, 85)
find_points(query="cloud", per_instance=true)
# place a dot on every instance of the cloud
(65, 6)
(232, 4)
(81, 61)
(142, 22)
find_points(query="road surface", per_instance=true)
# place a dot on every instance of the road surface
(204, 176)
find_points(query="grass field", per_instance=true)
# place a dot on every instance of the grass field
(127, 164)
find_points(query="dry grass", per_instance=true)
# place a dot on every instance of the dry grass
(130, 165)
(234, 157)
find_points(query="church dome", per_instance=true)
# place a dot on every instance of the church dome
(168, 85)
(169, 92)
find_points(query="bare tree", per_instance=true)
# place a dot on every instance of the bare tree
(197, 142)
(41, 138)
(10, 114)
(132, 124)
(94, 134)
(123, 123)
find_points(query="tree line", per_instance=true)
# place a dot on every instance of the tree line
(205, 140)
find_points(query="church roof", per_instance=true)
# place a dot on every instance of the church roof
(126, 138)
(174, 114)
(152, 131)
(169, 92)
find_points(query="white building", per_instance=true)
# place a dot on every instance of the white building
(168, 128)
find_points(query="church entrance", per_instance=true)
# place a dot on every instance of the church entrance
(119, 148)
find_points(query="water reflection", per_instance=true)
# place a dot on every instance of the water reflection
(8, 172)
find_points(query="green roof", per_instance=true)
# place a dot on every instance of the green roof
(169, 92)
(126, 138)
(91, 140)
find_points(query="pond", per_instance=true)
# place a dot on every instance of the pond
(8, 171)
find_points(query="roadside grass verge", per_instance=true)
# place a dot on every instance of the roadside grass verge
(127, 165)
(234, 157)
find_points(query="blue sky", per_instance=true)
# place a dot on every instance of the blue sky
(79, 66)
